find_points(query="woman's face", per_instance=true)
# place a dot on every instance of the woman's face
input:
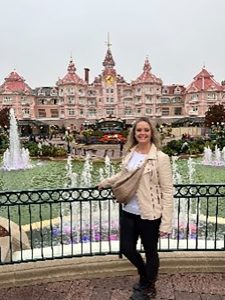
(143, 132)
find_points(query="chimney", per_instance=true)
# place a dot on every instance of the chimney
(86, 75)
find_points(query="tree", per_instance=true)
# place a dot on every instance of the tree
(215, 115)
(4, 118)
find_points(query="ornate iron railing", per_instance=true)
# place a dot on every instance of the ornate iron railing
(58, 223)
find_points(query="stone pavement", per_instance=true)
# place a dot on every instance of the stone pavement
(186, 286)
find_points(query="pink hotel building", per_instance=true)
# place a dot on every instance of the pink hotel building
(75, 100)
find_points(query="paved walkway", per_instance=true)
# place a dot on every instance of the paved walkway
(196, 286)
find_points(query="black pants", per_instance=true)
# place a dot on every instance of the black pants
(133, 227)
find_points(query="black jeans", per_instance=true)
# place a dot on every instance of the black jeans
(133, 227)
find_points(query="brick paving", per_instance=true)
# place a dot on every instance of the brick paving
(195, 286)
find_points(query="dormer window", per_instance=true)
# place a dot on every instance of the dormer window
(177, 90)
(165, 91)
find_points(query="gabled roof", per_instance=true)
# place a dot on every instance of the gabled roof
(146, 75)
(71, 77)
(203, 81)
(14, 83)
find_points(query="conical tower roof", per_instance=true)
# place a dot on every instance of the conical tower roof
(71, 77)
(146, 75)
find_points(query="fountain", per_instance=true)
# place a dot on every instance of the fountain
(216, 158)
(15, 157)
(85, 178)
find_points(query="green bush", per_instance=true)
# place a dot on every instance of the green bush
(173, 147)
(60, 152)
(32, 147)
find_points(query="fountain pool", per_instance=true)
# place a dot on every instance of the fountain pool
(54, 174)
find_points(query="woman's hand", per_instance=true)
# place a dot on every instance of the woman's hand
(99, 186)
(163, 234)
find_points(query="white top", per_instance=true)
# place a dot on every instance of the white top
(136, 160)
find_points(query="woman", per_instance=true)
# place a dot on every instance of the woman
(148, 214)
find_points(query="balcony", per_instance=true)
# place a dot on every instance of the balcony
(193, 101)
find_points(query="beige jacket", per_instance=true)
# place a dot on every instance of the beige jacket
(155, 191)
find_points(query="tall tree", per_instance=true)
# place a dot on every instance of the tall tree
(4, 117)
(215, 115)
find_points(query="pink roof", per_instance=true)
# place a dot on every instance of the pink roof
(71, 77)
(171, 89)
(203, 81)
(108, 61)
(146, 75)
(15, 83)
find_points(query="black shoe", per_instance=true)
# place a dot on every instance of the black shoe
(140, 295)
(149, 287)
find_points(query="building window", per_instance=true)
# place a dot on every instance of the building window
(176, 100)
(148, 111)
(25, 100)
(211, 96)
(70, 91)
(148, 99)
(81, 92)
(92, 112)
(71, 100)
(194, 97)
(177, 111)
(177, 90)
(81, 112)
(54, 113)
(26, 112)
(7, 100)
(91, 93)
(128, 111)
(53, 92)
(41, 113)
(109, 100)
(54, 101)
(138, 90)
(138, 111)
(71, 112)
(109, 111)
(127, 93)
(62, 113)
(42, 101)
(165, 100)
(92, 102)
(137, 100)
(165, 111)
(165, 91)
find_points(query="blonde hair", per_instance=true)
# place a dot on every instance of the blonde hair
(131, 140)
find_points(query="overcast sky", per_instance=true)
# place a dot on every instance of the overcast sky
(179, 37)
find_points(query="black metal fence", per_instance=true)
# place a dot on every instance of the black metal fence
(59, 223)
